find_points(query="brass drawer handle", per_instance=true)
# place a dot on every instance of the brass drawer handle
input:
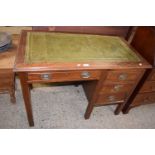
(46, 76)
(123, 76)
(117, 88)
(111, 98)
(85, 75)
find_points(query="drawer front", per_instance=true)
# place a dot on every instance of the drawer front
(148, 86)
(6, 74)
(144, 98)
(123, 75)
(104, 99)
(6, 83)
(6, 79)
(116, 88)
(63, 76)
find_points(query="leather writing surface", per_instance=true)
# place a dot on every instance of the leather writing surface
(49, 47)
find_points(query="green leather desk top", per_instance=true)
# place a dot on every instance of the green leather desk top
(46, 47)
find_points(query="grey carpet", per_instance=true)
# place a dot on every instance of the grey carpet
(64, 106)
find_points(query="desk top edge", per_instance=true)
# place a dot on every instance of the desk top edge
(20, 66)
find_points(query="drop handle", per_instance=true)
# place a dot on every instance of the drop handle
(117, 88)
(123, 76)
(85, 75)
(111, 98)
(46, 76)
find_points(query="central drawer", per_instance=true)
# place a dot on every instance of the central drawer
(127, 75)
(63, 76)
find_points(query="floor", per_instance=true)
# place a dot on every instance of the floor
(64, 106)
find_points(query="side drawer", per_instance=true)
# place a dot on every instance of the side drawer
(148, 86)
(104, 99)
(6, 74)
(6, 79)
(6, 83)
(116, 88)
(144, 98)
(63, 76)
(123, 75)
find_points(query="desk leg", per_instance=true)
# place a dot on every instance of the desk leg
(118, 109)
(27, 97)
(89, 110)
(12, 90)
(12, 95)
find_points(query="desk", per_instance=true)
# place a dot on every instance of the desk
(7, 76)
(108, 68)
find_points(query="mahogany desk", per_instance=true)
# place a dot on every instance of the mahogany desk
(108, 68)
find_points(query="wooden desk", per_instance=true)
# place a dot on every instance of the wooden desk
(7, 76)
(106, 66)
